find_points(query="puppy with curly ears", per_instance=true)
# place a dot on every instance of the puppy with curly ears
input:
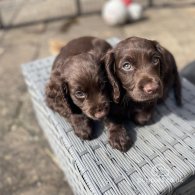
(141, 73)
(77, 85)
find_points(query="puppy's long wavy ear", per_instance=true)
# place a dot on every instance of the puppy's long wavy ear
(109, 62)
(57, 97)
(163, 61)
(169, 70)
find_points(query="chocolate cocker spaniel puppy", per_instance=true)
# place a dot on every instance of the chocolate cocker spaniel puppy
(141, 73)
(76, 89)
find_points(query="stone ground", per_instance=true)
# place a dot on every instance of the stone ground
(26, 163)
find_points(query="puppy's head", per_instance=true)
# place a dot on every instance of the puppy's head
(85, 84)
(136, 64)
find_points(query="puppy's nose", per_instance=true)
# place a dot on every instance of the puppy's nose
(101, 110)
(151, 87)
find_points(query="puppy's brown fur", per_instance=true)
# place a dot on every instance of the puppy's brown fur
(141, 73)
(76, 89)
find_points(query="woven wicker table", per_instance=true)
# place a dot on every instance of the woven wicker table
(162, 158)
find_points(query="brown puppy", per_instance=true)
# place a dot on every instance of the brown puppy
(141, 73)
(76, 89)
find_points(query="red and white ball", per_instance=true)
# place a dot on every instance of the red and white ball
(115, 12)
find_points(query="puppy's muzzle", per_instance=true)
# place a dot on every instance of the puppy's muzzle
(151, 88)
(101, 110)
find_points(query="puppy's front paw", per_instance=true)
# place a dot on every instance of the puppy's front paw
(141, 118)
(82, 127)
(84, 132)
(120, 140)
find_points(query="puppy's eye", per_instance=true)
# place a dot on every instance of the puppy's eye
(80, 94)
(127, 66)
(155, 60)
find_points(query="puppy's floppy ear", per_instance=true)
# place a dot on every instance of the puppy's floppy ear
(160, 49)
(169, 70)
(167, 60)
(109, 62)
(162, 52)
(57, 96)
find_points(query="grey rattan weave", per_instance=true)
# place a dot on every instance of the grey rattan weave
(162, 158)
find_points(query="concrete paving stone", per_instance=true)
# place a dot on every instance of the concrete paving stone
(46, 189)
(25, 35)
(23, 164)
(86, 26)
(90, 6)
(36, 29)
(27, 119)
(12, 83)
(1, 34)
(44, 49)
(10, 70)
(25, 11)
(31, 10)
(20, 169)
(7, 116)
